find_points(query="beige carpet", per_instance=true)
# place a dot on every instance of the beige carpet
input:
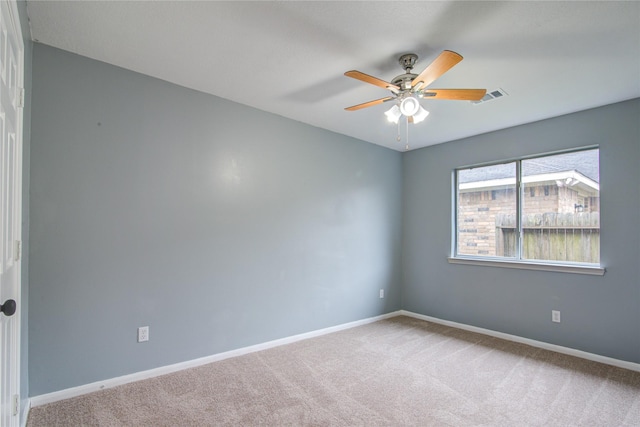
(396, 372)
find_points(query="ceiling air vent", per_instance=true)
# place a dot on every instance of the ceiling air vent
(490, 96)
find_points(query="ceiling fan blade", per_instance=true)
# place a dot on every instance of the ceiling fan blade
(371, 80)
(456, 94)
(369, 104)
(438, 67)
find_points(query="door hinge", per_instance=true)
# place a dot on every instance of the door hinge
(21, 97)
(17, 250)
(15, 405)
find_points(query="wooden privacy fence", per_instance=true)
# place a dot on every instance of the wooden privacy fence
(551, 236)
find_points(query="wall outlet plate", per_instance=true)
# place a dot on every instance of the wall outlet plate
(143, 334)
(555, 316)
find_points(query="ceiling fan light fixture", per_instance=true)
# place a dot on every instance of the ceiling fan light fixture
(409, 106)
(420, 115)
(393, 114)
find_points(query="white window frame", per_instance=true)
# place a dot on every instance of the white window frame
(517, 261)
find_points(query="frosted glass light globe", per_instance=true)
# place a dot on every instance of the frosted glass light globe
(409, 106)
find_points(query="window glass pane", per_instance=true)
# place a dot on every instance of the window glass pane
(561, 207)
(486, 211)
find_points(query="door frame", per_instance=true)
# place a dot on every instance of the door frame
(15, 356)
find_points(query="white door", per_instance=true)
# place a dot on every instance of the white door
(11, 60)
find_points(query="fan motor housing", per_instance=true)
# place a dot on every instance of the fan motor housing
(403, 81)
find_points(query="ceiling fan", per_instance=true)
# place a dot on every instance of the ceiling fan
(408, 87)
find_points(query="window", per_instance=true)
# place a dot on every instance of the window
(543, 210)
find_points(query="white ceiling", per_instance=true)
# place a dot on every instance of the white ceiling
(288, 57)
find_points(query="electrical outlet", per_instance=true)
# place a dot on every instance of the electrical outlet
(555, 316)
(143, 334)
(381, 293)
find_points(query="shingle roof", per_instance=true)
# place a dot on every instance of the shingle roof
(586, 162)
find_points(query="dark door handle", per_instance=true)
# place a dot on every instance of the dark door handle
(8, 308)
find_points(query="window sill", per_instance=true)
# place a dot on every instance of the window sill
(523, 265)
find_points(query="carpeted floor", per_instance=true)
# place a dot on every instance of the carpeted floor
(396, 372)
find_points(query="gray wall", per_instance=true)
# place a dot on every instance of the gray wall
(599, 314)
(217, 225)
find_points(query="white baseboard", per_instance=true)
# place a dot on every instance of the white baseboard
(55, 396)
(539, 344)
(68, 393)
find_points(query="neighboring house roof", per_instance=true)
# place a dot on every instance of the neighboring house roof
(585, 162)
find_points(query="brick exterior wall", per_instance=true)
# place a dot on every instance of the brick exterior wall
(478, 211)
